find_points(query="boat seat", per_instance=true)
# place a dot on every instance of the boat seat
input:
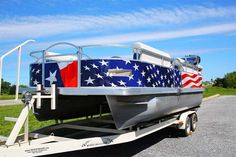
(52, 56)
(151, 55)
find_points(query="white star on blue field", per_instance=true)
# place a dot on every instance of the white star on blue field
(97, 73)
(198, 27)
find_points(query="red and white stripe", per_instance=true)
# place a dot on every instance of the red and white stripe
(191, 80)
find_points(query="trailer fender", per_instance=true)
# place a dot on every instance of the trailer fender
(182, 119)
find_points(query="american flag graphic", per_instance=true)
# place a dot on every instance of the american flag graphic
(95, 73)
(191, 80)
(63, 74)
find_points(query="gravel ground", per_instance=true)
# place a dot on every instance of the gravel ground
(215, 136)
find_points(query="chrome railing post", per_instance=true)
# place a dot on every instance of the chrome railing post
(79, 55)
(18, 73)
(1, 75)
(43, 68)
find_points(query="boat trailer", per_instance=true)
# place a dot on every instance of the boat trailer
(85, 133)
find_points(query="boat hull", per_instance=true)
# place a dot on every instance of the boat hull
(128, 111)
(128, 106)
(68, 107)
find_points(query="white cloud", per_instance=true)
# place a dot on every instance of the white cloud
(203, 51)
(150, 36)
(42, 26)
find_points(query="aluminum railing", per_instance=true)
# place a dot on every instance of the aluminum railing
(44, 57)
(18, 64)
(79, 53)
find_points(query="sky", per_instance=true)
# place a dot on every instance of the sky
(179, 27)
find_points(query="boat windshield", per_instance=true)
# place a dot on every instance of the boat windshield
(192, 59)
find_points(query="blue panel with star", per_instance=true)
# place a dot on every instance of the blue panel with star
(35, 74)
(52, 75)
(95, 73)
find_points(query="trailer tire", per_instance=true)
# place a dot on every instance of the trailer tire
(193, 119)
(187, 128)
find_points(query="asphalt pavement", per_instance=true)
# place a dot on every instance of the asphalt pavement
(10, 102)
(215, 136)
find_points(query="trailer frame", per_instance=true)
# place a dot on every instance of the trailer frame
(89, 132)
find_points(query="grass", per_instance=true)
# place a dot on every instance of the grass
(209, 91)
(14, 111)
(7, 97)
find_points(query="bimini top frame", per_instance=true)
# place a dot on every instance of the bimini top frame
(45, 57)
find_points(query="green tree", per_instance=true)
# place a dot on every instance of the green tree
(230, 80)
(23, 86)
(5, 87)
(12, 89)
(219, 82)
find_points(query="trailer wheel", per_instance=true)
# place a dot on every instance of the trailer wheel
(187, 129)
(193, 120)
